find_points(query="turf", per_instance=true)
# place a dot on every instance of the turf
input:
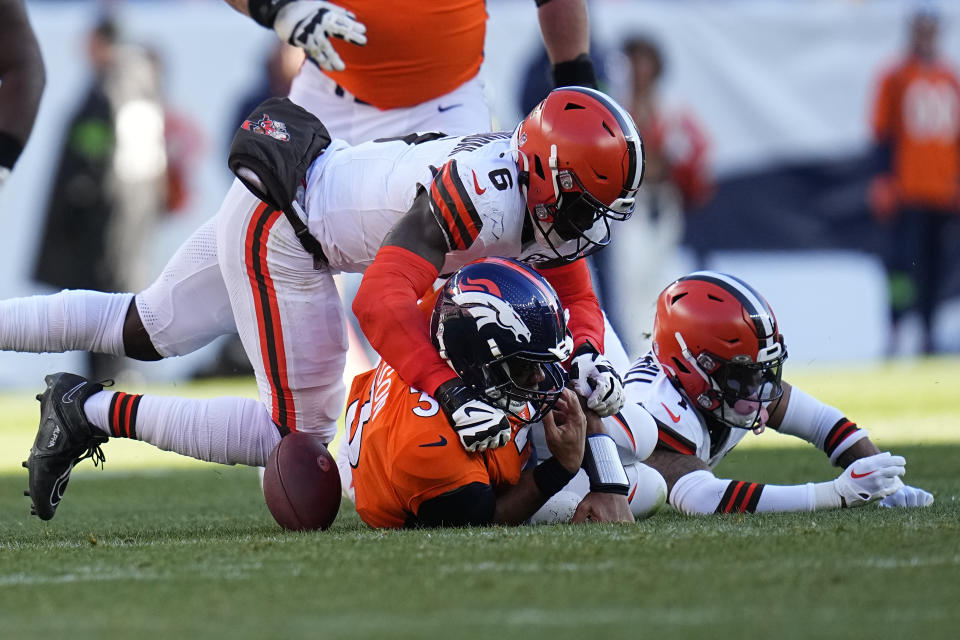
(146, 550)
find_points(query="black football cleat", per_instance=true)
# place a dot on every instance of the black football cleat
(64, 438)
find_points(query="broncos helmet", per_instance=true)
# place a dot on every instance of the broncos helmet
(718, 340)
(581, 163)
(501, 327)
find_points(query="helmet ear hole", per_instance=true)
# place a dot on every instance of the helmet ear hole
(680, 366)
(538, 168)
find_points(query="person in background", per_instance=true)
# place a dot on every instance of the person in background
(111, 184)
(916, 196)
(22, 78)
(677, 180)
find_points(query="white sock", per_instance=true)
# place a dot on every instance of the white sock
(97, 408)
(228, 430)
(66, 321)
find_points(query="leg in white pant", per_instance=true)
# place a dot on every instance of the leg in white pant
(290, 320)
(288, 315)
(228, 430)
(184, 309)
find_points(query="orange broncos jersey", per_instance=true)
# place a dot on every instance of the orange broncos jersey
(403, 451)
(415, 50)
(918, 112)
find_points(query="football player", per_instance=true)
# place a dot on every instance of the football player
(378, 69)
(714, 374)
(547, 194)
(499, 325)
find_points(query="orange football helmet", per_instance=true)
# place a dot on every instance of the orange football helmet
(718, 340)
(581, 163)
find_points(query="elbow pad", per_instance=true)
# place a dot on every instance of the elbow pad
(634, 430)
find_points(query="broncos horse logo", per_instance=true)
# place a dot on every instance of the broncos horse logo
(489, 309)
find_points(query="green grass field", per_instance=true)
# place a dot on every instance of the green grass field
(159, 546)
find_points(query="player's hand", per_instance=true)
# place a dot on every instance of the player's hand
(907, 496)
(594, 378)
(309, 24)
(479, 425)
(603, 507)
(565, 429)
(870, 478)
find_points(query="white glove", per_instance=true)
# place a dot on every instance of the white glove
(907, 496)
(869, 479)
(479, 425)
(309, 23)
(594, 378)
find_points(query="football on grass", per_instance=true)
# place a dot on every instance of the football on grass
(301, 483)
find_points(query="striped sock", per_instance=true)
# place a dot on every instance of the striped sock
(122, 415)
(740, 497)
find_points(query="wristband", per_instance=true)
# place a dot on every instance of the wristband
(550, 476)
(577, 72)
(264, 12)
(825, 496)
(603, 465)
(855, 435)
(10, 149)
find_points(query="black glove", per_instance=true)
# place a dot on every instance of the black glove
(577, 72)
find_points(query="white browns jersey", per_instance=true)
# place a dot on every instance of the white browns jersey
(355, 194)
(681, 428)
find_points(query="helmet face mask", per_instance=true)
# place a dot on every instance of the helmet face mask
(718, 341)
(518, 384)
(581, 163)
(501, 327)
(740, 389)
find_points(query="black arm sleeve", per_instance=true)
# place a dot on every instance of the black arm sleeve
(471, 504)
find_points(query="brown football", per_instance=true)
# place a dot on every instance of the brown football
(301, 483)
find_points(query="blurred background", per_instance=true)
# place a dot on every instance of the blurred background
(759, 120)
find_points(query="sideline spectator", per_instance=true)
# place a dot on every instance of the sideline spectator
(676, 180)
(916, 123)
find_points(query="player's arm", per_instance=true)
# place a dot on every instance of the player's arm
(22, 79)
(478, 504)
(308, 24)
(565, 27)
(442, 218)
(591, 374)
(403, 270)
(607, 499)
(386, 307)
(694, 489)
(799, 414)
